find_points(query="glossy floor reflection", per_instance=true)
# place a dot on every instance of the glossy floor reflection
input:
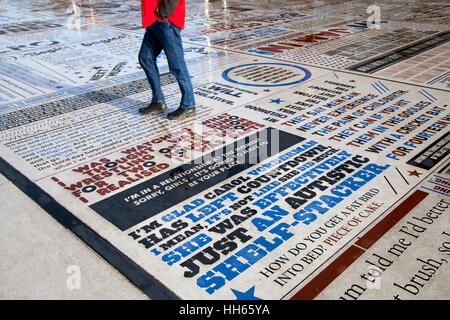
(321, 135)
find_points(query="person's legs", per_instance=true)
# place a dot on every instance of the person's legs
(170, 39)
(150, 50)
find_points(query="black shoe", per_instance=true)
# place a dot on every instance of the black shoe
(181, 114)
(154, 107)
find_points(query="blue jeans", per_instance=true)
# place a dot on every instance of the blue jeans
(166, 36)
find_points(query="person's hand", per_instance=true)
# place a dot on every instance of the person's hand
(159, 18)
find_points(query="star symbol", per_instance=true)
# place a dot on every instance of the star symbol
(248, 295)
(277, 101)
(414, 173)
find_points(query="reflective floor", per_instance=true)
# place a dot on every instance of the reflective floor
(316, 166)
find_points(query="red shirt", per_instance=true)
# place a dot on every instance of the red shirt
(149, 13)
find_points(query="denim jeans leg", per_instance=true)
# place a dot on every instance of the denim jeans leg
(170, 39)
(150, 50)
